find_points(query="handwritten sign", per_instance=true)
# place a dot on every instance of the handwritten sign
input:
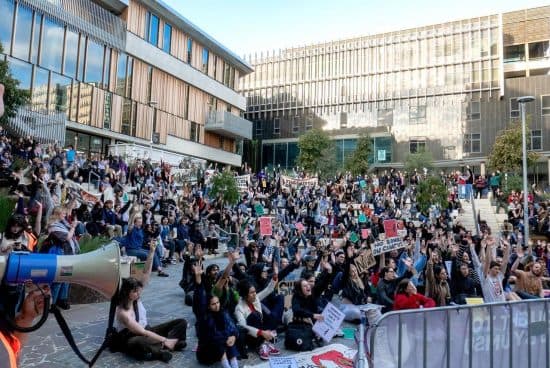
(364, 261)
(353, 237)
(299, 226)
(362, 218)
(259, 209)
(387, 245)
(265, 226)
(282, 362)
(332, 320)
(365, 233)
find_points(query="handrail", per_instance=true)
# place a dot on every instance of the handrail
(230, 234)
(491, 333)
(472, 200)
(90, 178)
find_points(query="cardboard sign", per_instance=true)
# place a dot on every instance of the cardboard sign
(387, 245)
(365, 261)
(353, 237)
(363, 184)
(390, 228)
(327, 328)
(365, 233)
(299, 226)
(362, 218)
(265, 226)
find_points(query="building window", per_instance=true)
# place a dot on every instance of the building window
(149, 83)
(189, 50)
(514, 53)
(52, 57)
(276, 126)
(385, 117)
(417, 114)
(205, 56)
(23, 29)
(226, 74)
(474, 110)
(539, 50)
(472, 143)
(194, 132)
(107, 110)
(536, 139)
(36, 32)
(417, 146)
(167, 38)
(309, 122)
(126, 116)
(545, 105)
(71, 54)
(295, 124)
(259, 129)
(152, 28)
(514, 108)
(343, 120)
(94, 63)
(6, 9)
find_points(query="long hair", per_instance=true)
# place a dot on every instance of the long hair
(128, 285)
(402, 287)
(15, 220)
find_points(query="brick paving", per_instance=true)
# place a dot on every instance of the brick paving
(163, 299)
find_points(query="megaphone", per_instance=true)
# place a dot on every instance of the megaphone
(99, 270)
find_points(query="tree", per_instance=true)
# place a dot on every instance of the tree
(507, 152)
(13, 96)
(224, 185)
(317, 153)
(431, 191)
(419, 161)
(357, 161)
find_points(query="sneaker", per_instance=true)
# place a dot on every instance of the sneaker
(173, 261)
(272, 349)
(264, 352)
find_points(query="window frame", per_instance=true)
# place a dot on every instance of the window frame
(417, 142)
(544, 110)
(539, 137)
(276, 126)
(469, 142)
(471, 114)
(169, 27)
(295, 125)
(414, 117)
(513, 111)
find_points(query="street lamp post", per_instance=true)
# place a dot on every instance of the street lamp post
(153, 104)
(522, 101)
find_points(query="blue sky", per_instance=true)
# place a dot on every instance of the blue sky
(248, 26)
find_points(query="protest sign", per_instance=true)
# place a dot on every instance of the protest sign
(390, 228)
(282, 362)
(362, 218)
(387, 245)
(449, 267)
(332, 320)
(242, 182)
(365, 233)
(265, 226)
(299, 226)
(364, 261)
(333, 356)
(363, 183)
(353, 237)
(259, 209)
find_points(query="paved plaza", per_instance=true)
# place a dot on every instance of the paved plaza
(163, 299)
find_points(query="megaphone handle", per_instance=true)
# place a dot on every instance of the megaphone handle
(43, 319)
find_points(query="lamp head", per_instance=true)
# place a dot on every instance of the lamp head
(525, 99)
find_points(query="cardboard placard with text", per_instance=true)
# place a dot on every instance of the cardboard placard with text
(265, 226)
(387, 245)
(390, 228)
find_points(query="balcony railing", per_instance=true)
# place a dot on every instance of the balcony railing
(43, 126)
(229, 125)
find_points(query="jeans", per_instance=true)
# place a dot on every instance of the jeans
(141, 254)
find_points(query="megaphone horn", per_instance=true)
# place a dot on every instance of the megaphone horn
(98, 270)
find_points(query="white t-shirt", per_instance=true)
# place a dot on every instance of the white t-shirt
(493, 290)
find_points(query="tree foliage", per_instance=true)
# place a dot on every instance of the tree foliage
(419, 161)
(357, 161)
(13, 96)
(224, 186)
(431, 191)
(317, 153)
(507, 152)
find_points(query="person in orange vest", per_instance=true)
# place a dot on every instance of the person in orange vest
(19, 235)
(11, 342)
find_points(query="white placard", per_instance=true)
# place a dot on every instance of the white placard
(387, 245)
(282, 362)
(327, 328)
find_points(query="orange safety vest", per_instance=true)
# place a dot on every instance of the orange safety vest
(7, 353)
(32, 241)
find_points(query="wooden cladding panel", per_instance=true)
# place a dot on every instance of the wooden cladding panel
(144, 121)
(179, 44)
(97, 107)
(169, 92)
(526, 26)
(211, 64)
(219, 69)
(139, 82)
(114, 62)
(116, 114)
(179, 128)
(196, 55)
(212, 140)
(198, 105)
(221, 106)
(229, 145)
(136, 18)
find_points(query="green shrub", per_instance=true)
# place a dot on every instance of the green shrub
(7, 204)
(89, 244)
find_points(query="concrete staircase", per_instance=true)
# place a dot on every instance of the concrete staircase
(486, 212)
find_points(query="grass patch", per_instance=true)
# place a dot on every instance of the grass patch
(89, 244)
(7, 204)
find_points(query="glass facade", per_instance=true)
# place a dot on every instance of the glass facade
(71, 54)
(53, 36)
(94, 63)
(6, 9)
(21, 71)
(23, 33)
(167, 38)
(152, 28)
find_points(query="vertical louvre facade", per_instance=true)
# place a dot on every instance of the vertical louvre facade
(444, 88)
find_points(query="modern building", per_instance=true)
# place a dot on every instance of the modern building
(448, 88)
(133, 75)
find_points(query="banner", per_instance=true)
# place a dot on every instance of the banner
(387, 245)
(265, 226)
(330, 356)
(294, 182)
(390, 228)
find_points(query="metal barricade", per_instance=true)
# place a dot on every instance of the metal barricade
(503, 335)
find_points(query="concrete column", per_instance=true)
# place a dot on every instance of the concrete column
(482, 169)
(548, 170)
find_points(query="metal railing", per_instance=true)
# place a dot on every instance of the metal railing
(95, 175)
(503, 335)
(44, 126)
